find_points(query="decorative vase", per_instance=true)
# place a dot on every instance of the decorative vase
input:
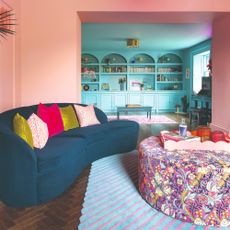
(122, 86)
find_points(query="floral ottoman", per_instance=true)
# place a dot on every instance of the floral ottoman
(191, 185)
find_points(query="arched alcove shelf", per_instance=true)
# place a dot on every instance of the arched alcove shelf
(169, 58)
(142, 58)
(89, 72)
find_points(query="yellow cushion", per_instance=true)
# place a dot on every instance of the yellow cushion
(69, 117)
(22, 129)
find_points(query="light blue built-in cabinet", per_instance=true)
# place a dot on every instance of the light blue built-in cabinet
(111, 80)
(108, 101)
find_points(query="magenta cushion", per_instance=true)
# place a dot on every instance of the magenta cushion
(52, 117)
(86, 115)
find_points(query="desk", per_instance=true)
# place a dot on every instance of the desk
(125, 109)
(189, 185)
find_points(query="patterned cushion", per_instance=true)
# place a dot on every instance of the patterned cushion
(52, 117)
(69, 118)
(39, 131)
(22, 129)
(86, 115)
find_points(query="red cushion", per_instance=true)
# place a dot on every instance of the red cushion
(52, 117)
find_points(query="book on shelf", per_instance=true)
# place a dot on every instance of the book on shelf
(174, 136)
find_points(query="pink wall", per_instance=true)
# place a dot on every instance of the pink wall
(6, 73)
(48, 57)
(9, 62)
(43, 64)
(221, 73)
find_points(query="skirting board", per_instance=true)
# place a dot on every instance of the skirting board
(219, 127)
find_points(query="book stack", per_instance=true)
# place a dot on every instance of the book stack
(171, 140)
(133, 105)
(166, 136)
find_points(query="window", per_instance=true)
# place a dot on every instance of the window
(200, 62)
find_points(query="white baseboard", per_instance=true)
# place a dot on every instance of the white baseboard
(218, 127)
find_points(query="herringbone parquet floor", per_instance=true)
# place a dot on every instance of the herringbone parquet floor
(64, 212)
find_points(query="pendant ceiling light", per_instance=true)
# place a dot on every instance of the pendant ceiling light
(133, 43)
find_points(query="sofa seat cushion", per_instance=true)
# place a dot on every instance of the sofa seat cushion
(94, 131)
(122, 124)
(104, 139)
(59, 151)
(90, 133)
(119, 137)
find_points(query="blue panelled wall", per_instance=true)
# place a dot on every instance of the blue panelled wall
(188, 64)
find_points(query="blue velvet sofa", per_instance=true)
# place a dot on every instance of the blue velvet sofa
(30, 177)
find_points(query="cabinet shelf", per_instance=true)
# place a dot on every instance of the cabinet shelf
(167, 82)
(113, 73)
(141, 64)
(114, 64)
(169, 64)
(168, 73)
(141, 69)
(84, 73)
(90, 82)
(89, 64)
(144, 73)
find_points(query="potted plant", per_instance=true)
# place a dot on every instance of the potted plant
(122, 81)
(209, 66)
(177, 106)
(185, 103)
(6, 22)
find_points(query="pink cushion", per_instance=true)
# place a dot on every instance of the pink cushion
(86, 115)
(39, 131)
(52, 117)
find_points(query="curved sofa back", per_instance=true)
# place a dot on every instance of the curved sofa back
(6, 118)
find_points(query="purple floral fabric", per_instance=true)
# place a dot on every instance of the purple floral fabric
(189, 185)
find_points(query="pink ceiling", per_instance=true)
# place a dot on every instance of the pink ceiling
(148, 17)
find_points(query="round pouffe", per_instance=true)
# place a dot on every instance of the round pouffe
(189, 185)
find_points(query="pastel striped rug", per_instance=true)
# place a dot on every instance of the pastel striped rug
(112, 200)
(142, 119)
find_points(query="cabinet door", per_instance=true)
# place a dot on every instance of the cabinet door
(149, 100)
(167, 102)
(135, 99)
(107, 102)
(120, 100)
(164, 102)
(91, 99)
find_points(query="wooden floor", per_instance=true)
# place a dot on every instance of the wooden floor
(65, 211)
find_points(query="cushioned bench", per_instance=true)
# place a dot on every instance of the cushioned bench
(189, 185)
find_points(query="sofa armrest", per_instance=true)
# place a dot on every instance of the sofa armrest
(18, 170)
